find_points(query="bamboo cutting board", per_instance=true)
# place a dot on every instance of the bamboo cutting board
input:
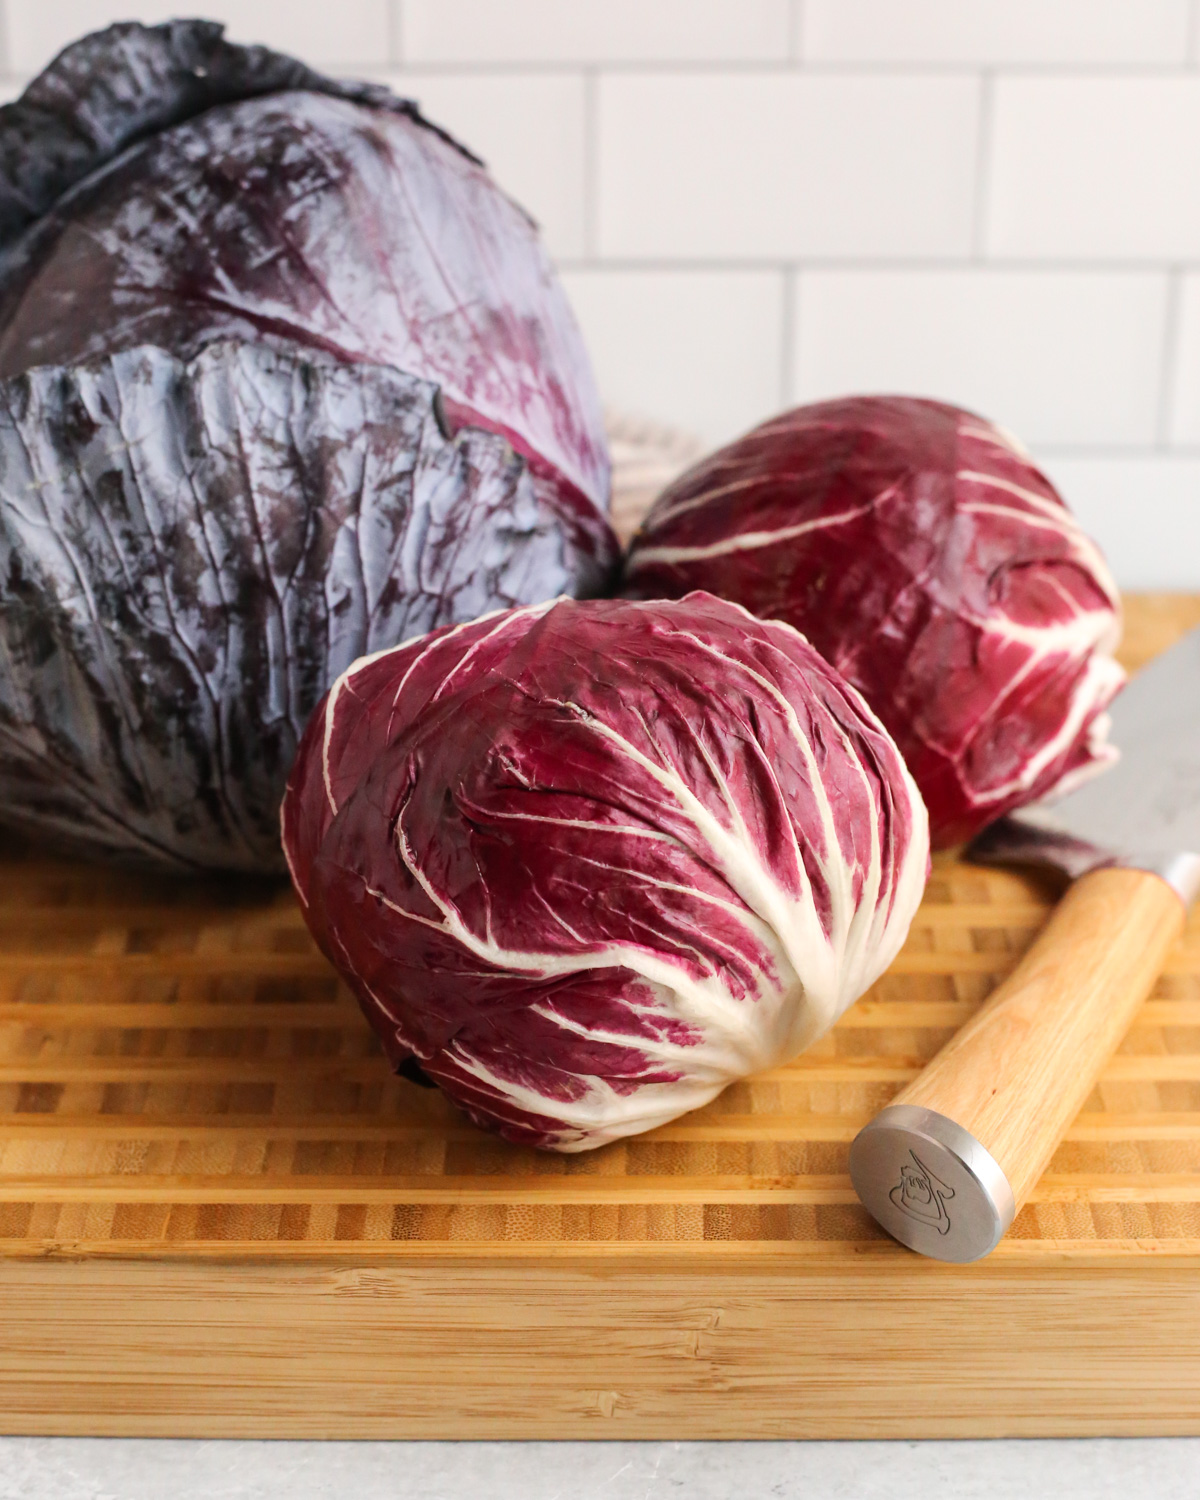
(221, 1215)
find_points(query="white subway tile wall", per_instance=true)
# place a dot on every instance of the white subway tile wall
(587, 32)
(699, 350)
(1099, 169)
(1060, 357)
(714, 165)
(988, 32)
(755, 202)
(333, 33)
(1182, 425)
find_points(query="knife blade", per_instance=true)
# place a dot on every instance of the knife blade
(947, 1165)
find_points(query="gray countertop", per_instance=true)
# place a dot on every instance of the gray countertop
(145, 1469)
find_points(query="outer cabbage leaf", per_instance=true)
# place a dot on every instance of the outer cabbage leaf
(584, 864)
(305, 216)
(284, 378)
(177, 601)
(930, 561)
(118, 86)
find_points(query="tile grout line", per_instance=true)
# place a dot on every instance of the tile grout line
(591, 146)
(795, 40)
(980, 203)
(774, 67)
(789, 329)
(1110, 453)
(854, 264)
(1168, 374)
(396, 33)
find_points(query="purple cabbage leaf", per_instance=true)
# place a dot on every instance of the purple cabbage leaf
(284, 378)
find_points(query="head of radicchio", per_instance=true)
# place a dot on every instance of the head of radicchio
(586, 863)
(284, 378)
(927, 558)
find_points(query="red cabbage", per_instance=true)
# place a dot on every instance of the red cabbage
(925, 556)
(584, 864)
(284, 378)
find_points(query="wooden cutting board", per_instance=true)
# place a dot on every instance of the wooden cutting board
(221, 1215)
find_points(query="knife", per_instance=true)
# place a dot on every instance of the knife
(947, 1165)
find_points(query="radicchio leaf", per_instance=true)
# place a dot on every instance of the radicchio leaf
(927, 558)
(584, 864)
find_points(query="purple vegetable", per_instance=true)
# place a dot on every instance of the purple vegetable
(584, 864)
(283, 378)
(926, 558)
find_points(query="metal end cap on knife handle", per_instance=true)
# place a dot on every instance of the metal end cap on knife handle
(931, 1184)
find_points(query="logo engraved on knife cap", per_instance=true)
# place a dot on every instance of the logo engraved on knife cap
(921, 1195)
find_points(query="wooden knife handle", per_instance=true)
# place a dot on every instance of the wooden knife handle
(1018, 1072)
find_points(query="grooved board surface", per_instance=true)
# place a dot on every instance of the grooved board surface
(186, 1088)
